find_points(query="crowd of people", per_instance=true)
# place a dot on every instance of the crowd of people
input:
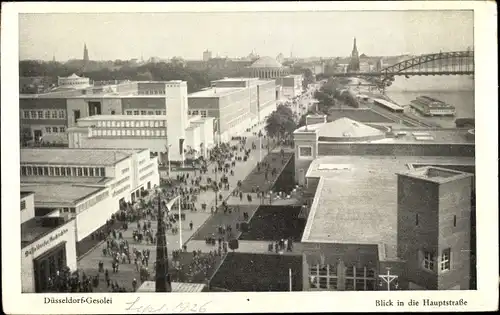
(117, 251)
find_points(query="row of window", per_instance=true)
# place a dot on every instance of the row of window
(429, 260)
(128, 132)
(152, 92)
(54, 129)
(23, 204)
(356, 278)
(131, 124)
(142, 161)
(305, 151)
(44, 114)
(125, 170)
(121, 181)
(146, 176)
(143, 112)
(89, 203)
(28, 170)
(195, 112)
(454, 220)
(146, 167)
(121, 190)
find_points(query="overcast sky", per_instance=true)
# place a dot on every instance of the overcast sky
(113, 36)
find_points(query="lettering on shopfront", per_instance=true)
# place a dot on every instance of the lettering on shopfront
(46, 242)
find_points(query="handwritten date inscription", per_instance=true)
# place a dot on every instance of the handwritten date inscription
(137, 306)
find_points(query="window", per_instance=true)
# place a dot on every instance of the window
(454, 221)
(91, 171)
(428, 262)
(305, 151)
(136, 112)
(29, 170)
(158, 112)
(150, 112)
(58, 171)
(128, 112)
(194, 112)
(68, 171)
(62, 129)
(54, 114)
(416, 219)
(47, 114)
(54, 129)
(62, 114)
(63, 171)
(51, 171)
(40, 114)
(35, 171)
(80, 171)
(48, 129)
(143, 112)
(163, 112)
(102, 171)
(26, 114)
(23, 171)
(189, 112)
(445, 260)
(203, 113)
(23, 204)
(33, 114)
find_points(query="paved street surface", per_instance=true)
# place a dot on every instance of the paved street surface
(255, 247)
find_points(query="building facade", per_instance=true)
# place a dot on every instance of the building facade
(143, 132)
(354, 62)
(73, 82)
(46, 117)
(47, 245)
(87, 185)
(348, 137)
(236, 104)
(291, 85)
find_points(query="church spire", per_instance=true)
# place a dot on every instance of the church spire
(85, 53)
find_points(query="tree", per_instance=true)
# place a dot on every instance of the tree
(281, 122)
(233, 244)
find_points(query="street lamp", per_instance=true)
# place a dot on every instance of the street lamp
(168, 157)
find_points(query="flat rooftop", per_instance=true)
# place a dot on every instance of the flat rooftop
(33, 229)
(65, 180)
(123, 117)
(235, 79)
(215, 92)
(66, 156)
(406, 135)
(63, 195)
(356, 199)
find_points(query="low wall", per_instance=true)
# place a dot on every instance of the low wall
(399, 149)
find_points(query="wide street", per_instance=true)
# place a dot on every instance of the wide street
(89, 261)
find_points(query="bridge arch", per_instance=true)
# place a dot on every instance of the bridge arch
(455, 62)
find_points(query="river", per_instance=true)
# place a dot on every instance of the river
(454, 90)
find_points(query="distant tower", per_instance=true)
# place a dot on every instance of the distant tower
(354, 63)
(207, 55)
(54, 58)
(85, 54)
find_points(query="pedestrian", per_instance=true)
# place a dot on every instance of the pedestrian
(191, 225)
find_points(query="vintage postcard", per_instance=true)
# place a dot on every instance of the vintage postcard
(249, 157)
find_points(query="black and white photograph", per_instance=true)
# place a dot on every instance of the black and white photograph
(218, 152)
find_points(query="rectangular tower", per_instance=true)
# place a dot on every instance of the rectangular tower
(434, 226)
(177, 118)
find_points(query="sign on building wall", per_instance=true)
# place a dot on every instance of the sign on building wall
(51, 239)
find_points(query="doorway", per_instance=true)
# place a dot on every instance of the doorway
(95, 108)
(37, 135)
(47, 265)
